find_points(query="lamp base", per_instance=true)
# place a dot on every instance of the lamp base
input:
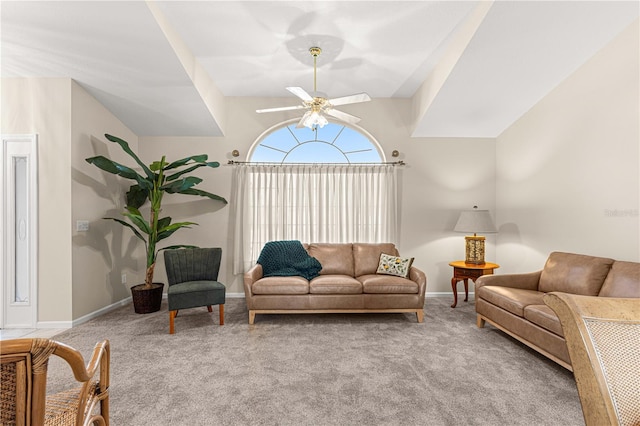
(474, 249)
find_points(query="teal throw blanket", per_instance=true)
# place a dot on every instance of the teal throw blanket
(288, 258)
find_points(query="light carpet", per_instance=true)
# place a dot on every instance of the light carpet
(332, 369)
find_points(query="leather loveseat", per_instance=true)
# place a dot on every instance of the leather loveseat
(514, 302)
(347, 282)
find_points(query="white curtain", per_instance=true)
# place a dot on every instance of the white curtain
(311, 203)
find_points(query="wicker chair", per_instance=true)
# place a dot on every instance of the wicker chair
(603, 337)
(23, 383)
(193, 281)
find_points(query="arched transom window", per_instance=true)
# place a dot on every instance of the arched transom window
(333, 143)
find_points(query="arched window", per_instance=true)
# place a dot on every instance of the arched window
(327, 185)
(334, 143)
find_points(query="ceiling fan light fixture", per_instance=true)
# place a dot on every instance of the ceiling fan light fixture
(314, 120)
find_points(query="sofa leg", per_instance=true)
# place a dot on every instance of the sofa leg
(209, 308)
(480, 321)
(252, 317)
(221, 306)
(420, 315)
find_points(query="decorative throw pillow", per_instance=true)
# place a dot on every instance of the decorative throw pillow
(393, 265)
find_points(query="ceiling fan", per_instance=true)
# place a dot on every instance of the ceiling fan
(317, 104)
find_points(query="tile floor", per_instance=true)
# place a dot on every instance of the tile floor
(17, 333)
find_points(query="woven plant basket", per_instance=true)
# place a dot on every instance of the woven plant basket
(146, 301)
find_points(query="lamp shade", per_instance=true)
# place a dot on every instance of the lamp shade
(476, 221)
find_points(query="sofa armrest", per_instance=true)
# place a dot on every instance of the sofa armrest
(250, 277)
(418, 276)
(528, 281)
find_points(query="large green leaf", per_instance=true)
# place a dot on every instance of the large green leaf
(163, 223)
(181, 185)
(166, 232)
(158, 165)
(136, 217)
(114, 168)
(125, 147)
(136, 196)
(179, 246)
(192, 191)
(190, 169)
(195, 158)
(128, 225)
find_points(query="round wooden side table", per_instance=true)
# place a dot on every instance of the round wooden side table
(463, 271)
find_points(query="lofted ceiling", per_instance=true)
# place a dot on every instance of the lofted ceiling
(164, 68)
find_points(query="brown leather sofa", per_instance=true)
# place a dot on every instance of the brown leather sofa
(347, 283)
(514, 302)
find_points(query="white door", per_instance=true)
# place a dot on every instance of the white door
(19, 183)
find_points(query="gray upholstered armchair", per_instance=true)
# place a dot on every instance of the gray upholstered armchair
(193, 280)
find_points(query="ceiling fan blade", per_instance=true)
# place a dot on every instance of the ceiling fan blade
(342, 116)
(288, 108)
(351, 99)
(301, 93)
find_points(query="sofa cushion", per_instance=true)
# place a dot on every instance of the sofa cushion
(545, 317)
(386, 284)
(394, 265)
(366, 256)
(335, 284)
(623, 280)
(334, 258)
(513, 300)
(574, 273)
(280, 285)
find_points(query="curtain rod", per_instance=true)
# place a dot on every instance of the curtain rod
(392, 163)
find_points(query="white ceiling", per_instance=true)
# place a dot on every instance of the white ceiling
(131, 55)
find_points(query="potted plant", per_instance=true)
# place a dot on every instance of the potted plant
(157, 179)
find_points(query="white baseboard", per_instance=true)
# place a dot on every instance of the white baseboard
(235, 295)
(101, 311)
(448, 294)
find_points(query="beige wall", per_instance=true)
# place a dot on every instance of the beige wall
(108, 250)
(43, 107)
(568, 170)
(441, 177)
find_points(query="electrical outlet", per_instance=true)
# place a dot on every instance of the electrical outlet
(82, 225)
(124, 278)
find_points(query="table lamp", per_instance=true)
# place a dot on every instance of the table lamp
(475, 221)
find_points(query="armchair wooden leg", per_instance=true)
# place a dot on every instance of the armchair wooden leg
(104, 409)
(420, 315)
(221, 314)
(209, 308)
(172, 316)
